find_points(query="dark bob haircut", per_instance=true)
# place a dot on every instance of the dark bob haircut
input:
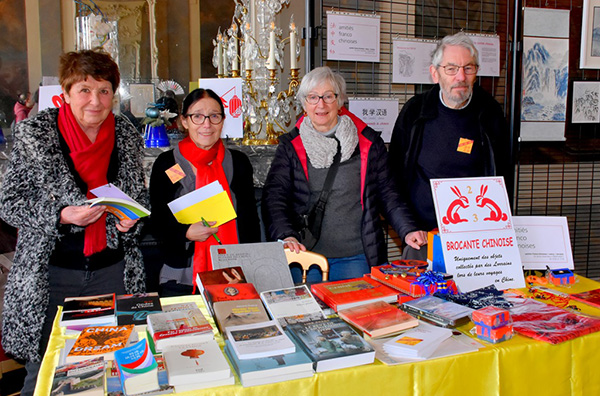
(76, 66)
(196, 95)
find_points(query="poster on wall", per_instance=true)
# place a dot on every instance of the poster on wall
(353, 37)
(545, 75)
(411, 59)
(488, 47)
(50, 96)
(586, 108)
(230, 91)
(379, 113)
(590, 40)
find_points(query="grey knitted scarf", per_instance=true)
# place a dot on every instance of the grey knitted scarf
(321, 149)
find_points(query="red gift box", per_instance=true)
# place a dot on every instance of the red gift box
(408, 283)
(491, 316)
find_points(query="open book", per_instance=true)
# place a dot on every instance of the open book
(117, 202)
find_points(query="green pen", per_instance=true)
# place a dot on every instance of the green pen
(207, 225)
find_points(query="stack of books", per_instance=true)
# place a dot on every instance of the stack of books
(417, 343)
(378, 319)
(81, 378)
(81, 312)
(259, 340)
(292, 305)
(138, 370)
(352, 292)
(438, 311)
(135, 308)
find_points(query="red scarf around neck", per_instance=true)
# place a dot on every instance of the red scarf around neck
(209, 167)
(91, 161)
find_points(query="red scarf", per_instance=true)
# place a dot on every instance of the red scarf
(91, 163)
(209, 167)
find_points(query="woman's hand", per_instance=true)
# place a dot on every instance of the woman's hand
(293, 244)
(198, 232)
(416, 239)
(81, 215)
(125, 225)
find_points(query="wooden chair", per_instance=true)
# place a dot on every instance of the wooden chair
(306, 260)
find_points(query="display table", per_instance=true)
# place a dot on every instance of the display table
(520, 366)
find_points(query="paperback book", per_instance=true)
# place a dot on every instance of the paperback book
(332, 344)
(292, 305)
(378, 319)
(267, 370)
(113, 383)
(417, 343)
(135, 308)
(117, 202)
(101, 341)
(259, 340)
(438, 311)
(239, 312)
(138, 370)
(197, 366)
(89, 310)
(352, 292)
(178, 327)
(85, 378)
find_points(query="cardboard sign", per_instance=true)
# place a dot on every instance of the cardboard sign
(544, 242)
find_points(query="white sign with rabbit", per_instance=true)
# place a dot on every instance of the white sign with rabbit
(478, 239)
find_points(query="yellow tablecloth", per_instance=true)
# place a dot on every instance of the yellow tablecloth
(520, 366)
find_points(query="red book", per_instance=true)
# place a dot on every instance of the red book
(378, 319)
(239, 291)
(352, 292)
(591, 297)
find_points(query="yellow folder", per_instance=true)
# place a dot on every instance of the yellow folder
(216, 208)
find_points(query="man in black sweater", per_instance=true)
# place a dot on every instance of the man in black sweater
(456, 129)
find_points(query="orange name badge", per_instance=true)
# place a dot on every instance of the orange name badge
(175, 173)
(465, 146)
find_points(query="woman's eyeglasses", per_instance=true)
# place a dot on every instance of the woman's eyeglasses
(328, 98)
(199, 119)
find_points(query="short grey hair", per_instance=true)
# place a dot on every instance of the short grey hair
(459, 39)
(319, 76)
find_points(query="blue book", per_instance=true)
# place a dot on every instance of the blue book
(113, 382)
(272, 369)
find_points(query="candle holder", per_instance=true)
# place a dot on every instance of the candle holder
(259, 60)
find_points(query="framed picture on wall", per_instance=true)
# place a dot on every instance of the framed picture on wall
(586, 106)
(141, 96)
(590, 35)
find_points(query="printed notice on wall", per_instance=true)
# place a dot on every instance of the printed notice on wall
(380, 114)
(478, 238)
(230, 91)
(488, 47)
(411, 60)
(353, 37)
(543, 242)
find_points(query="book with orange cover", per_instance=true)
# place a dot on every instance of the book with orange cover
(352, 292)
(97, 341)
(378, 319)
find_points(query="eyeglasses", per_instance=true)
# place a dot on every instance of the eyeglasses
(328, 98)
(199, 119)
(452, 70)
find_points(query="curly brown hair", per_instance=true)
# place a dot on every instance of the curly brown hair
(76, 66)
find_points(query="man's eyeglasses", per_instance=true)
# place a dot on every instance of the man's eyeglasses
(199, 119)
(328, 98)
(452, 70)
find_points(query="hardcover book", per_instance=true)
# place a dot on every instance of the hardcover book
(85, 378)
(271, 369)
(178, 327)
(259, 340)
(332, 344)
(378, 319)
(240, 291)
(418, 343)
(292, 305)
(134, 308)
(352, 292)
(221, 276)
(89, 310)
(239, 312)
(100, 341)
(138, 370)
(196, 364)
(438, 311)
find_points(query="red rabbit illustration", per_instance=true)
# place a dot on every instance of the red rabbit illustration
(452, 215)
(496, 213)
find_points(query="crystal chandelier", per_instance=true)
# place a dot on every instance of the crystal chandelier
(253, 48)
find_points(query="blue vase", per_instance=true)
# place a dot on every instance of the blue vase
(156, 136)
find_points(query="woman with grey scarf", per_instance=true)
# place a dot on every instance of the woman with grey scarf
(351, 233)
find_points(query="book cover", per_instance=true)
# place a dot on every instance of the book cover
(176, 327)
(591, 297)
(99, 341)
(113, 382)
(419, 342)
(134, 308)
(239, 312)
(271, 369)
(332, 344)
(378, 319)
(264, 264)
(259, 340)
(352, 292)
(292, 305)
(439, 311)
(85, 378)
(183, 306)
(88, 310)
(221, 276)
(210, 202)
(226, 292)
(196, 363)
(117, 202)
(138, 370)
